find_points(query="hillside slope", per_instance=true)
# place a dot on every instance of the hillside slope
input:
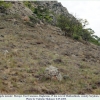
(26, 51)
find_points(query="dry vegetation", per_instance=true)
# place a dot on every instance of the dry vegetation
(29, 50)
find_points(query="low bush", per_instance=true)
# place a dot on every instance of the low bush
(29, 5)
(4, 5)
(76, 37)
(32, 21)
(43, 13)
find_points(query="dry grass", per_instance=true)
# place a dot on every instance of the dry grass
(31, 50)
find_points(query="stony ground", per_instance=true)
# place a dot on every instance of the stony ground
(32, 49)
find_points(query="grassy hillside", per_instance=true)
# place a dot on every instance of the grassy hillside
(26, 51)
(34, 38)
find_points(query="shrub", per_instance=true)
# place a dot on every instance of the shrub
(29, 5)
(76, 30)
(76, 37)
(32, 21)
(43, 13)
(63, 22)
(94, 41)
(4, 5)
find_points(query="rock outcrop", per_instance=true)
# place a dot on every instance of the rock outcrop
(54, 6)
(19, 8)
(56, 9)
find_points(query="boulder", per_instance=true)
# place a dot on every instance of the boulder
(53, 73)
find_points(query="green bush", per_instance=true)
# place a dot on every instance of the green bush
(4, 5)
(76, 37)
(43, 13)
(76, 30)
(94, 41)
(68, 25)
(29, 5)
(63, 22)
(32, 21)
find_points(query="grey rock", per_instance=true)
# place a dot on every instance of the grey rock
(19, 8)
(59, 77)
(55, 7)
(53, 72)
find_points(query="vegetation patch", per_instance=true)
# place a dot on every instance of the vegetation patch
(29, 5)
(77, 29)
(43, 13)
(4, 5)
